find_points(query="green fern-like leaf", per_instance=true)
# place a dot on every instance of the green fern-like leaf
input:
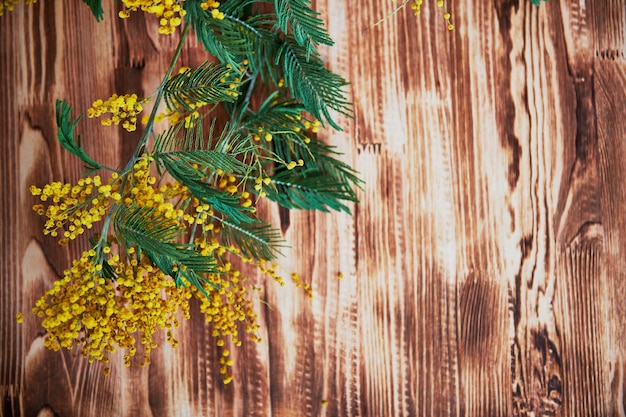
(192, 160)
(317, 88)
(306, 27)
(258, 240)
(282, 117)
(181, 273)
(141, 226)
(259, 34)
(220, 37)
(276, 113)
(210, 83)
(309, 189)
(196, 181)
(324, 157)
(190, 145)
(66, 134)
(157, 236)
(96, 8)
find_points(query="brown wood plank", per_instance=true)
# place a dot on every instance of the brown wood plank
(11, 345)
(610, 38)
(609, 84)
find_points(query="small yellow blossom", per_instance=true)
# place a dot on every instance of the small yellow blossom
(102, 315)
(213, 5)
(169, 12)
(124, 109)
(74, 208)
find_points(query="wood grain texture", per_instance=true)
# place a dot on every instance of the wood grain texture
(484, 266)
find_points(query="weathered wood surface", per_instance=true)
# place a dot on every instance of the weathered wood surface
(484, 268)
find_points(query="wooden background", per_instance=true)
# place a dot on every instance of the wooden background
(484, 267)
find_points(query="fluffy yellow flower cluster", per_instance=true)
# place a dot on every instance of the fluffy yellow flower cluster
(123, 109)
(228, 303)
(75, 208)
(8, 5)
(213, 6)
(141, 191)
(102, 314)
(169, 12)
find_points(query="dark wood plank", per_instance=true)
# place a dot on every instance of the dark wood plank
(11, 342)
(609, 84)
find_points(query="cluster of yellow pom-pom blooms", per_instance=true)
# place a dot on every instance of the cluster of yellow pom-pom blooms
(169, 12)
(123, 109)
(101, 315)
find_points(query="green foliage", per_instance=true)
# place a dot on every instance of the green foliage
(306, 27)
(210, 83)
(65, 134)
(274, 52)
(96, 8)
(158, 237)
(223, 201)
(310, 189)
(537, 2)
(181, 272)
(318, 89)
(222, 38)
(323, 182)
(324, 156)
(258, 240)
(192, 160)
(191, 146)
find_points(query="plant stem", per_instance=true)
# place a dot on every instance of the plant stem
(145, 137)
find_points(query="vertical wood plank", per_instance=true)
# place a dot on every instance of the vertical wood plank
(610, 38)
(11, 344)
(542, 93)
(407, 238)
(610, 82)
